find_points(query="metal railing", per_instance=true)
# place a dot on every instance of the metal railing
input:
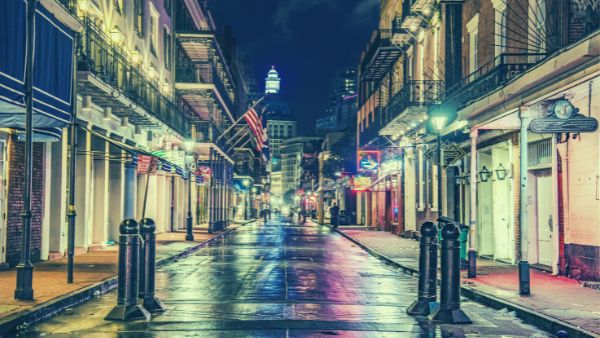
(492, 76)
(204, 72)
(414, 93)
(97, 54)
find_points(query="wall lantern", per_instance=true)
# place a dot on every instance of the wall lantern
(485, 174)
(501, 172)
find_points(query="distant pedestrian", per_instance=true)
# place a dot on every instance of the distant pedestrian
(334, 213)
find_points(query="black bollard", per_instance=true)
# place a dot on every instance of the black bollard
(449, 311)
(129, 248)
(148, 267)
(426, 301)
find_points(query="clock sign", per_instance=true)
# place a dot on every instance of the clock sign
(563, 117)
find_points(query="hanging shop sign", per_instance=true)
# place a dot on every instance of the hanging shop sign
(451, 152)
(147, 164)
(368, 160)
(563, 117)
(361, 183)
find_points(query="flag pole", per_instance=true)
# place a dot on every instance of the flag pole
(239, 119)
(240, 138)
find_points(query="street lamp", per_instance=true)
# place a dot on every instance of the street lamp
(438, 122)
(189, 234)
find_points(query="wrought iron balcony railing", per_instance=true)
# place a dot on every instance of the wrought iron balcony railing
(491, 76)
(204, 73)
(415, 93)
(98, 55)
(209, 131)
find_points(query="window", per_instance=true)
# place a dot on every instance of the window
(473, 30)
(154, 34)
(537, 29)
(138, 8)
(290, 131)
(500, 31)
(167, 6)
(167, 47)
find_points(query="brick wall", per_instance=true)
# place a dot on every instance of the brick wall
(16, 176)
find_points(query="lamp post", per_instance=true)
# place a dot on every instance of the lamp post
(24, 290)
(189, 221)
(438, 123)
(246, 196)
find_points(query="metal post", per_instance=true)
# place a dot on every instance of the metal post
(189, 222)
(439, 176)
(449, 311)
(128, 283)
(71, 214)
(211, 194)
(426, 302)
(524, 277)
(24, 290)
(148, 267)
(472, 254)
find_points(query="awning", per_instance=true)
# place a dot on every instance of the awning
(52, 74)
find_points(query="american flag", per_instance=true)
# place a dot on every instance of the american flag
(255, 123)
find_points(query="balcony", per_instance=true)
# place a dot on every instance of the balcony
(208, 132)
(408, 108)
(380, 55)
(505, 68)
(426, 8)
(201, 85)
(107, 73)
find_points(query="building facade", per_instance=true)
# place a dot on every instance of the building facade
(489, 68)
(151, 82)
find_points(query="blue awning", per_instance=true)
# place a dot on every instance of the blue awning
(52, 74)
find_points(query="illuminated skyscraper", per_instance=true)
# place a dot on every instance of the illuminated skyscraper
(272, 82)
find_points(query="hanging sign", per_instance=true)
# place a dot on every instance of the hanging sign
(563, 117)
(368, 160)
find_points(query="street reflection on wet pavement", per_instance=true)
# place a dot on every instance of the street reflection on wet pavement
(281, 280)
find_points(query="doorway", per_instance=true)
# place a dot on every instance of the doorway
(541, 212)
(502, 204)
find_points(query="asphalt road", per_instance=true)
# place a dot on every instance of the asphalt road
(281, 280)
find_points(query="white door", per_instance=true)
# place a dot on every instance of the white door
(485, 211)
(544, 216)
(2, 205)
(501, 204)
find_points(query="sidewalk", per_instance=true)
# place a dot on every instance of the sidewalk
(95, 272)
(556, 302)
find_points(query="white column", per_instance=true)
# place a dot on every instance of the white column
(116, 201)
(100, 181)
(45, 236)
(82, 190)
(56, 203)
(473, 192)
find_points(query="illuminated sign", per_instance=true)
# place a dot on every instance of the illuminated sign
(368, 160)
(361, 183)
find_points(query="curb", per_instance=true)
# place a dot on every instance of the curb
(54, 306)
(542, 321)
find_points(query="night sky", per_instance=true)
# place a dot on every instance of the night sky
(307, 41)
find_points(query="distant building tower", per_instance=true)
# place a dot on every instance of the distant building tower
(272, 82)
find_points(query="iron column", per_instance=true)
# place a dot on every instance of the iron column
(189, 236)
(71, 214)
(24, 290)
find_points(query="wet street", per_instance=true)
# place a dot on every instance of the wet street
(280, 280)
